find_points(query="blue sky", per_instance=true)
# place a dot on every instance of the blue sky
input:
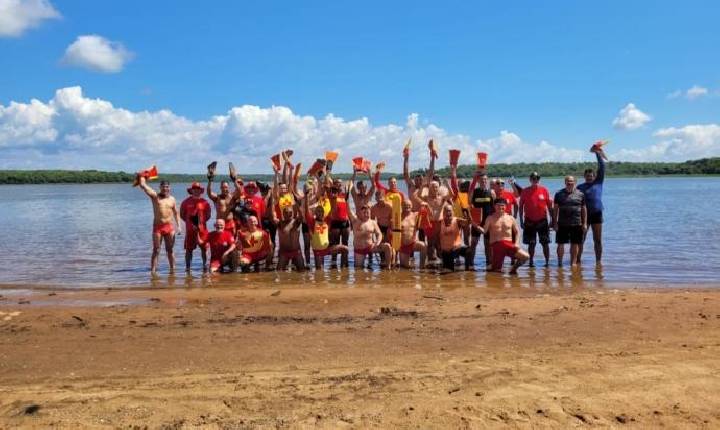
(553, 72)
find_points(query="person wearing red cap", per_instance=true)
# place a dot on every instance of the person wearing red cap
(195, 211)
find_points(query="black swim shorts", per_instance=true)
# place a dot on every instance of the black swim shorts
(534, 230)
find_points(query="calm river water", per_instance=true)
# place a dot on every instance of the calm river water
(658, 231)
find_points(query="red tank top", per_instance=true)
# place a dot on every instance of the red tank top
(340, 212)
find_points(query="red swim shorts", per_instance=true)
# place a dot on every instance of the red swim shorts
(191, 238)
(254, 257)
(163, 229)
(408, 249)
(500, 250)
(363, 251)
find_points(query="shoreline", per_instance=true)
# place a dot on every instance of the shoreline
(507, 285)
(363, 358)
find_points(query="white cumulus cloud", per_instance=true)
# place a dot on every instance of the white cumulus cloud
(630, 118)
(74, 131)
(18, 16)
(679, 144)
(96, 53)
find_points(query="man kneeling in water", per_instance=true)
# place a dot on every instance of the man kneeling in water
(501, 229)
(320, 238)
(222, 245)
(367, 238)
(451, 243)
(289, 239)
(256, 246)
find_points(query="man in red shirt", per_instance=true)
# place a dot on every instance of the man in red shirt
(511, 206)
(222, 245)
(535, 207)
(195, 211)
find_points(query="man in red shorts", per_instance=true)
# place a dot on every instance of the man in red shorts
(195, 211)
(164, 213)
(222, 244)
(501, 229)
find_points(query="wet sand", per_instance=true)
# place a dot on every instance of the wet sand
(361, 358)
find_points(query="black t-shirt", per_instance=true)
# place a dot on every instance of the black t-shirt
(570, 205)
(483, 199)
(242, 214)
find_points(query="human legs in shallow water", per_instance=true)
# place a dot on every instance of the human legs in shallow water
(597, 243)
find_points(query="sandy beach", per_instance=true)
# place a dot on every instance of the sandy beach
(361, 358)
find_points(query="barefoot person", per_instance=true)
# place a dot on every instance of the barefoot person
(410, 244)
(360, 194)
(481, 207)
(289, 228)
(164, 214)
(382, 213)
(195, 211)
(569, 220)
(368, 239)
(504, 237)
(592, 188)
(535, 207)
(320, 238)
(451, 243)
(339, 219)
(222, 246)
(434, 203)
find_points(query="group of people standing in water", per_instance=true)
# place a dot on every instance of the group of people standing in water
(437, 224)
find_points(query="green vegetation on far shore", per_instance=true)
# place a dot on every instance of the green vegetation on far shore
(704, 166)
(8, 177)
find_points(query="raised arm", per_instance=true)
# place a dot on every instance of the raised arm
(212, 196)
(406, 169)
(431, 166)
(147, 188)
(600, 177)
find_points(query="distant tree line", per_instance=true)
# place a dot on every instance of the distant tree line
(704, 166)
(97, 176)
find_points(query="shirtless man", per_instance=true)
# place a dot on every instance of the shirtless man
(382, 213)
(195, 211)
(367, 238)
(501, 229)
(222, 201)
(360, 194)
(410, 244)
(451, 243)
(289, 228)
(164, 213)
(434, 202)
(222, 246)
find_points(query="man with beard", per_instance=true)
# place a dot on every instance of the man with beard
(195, 211)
